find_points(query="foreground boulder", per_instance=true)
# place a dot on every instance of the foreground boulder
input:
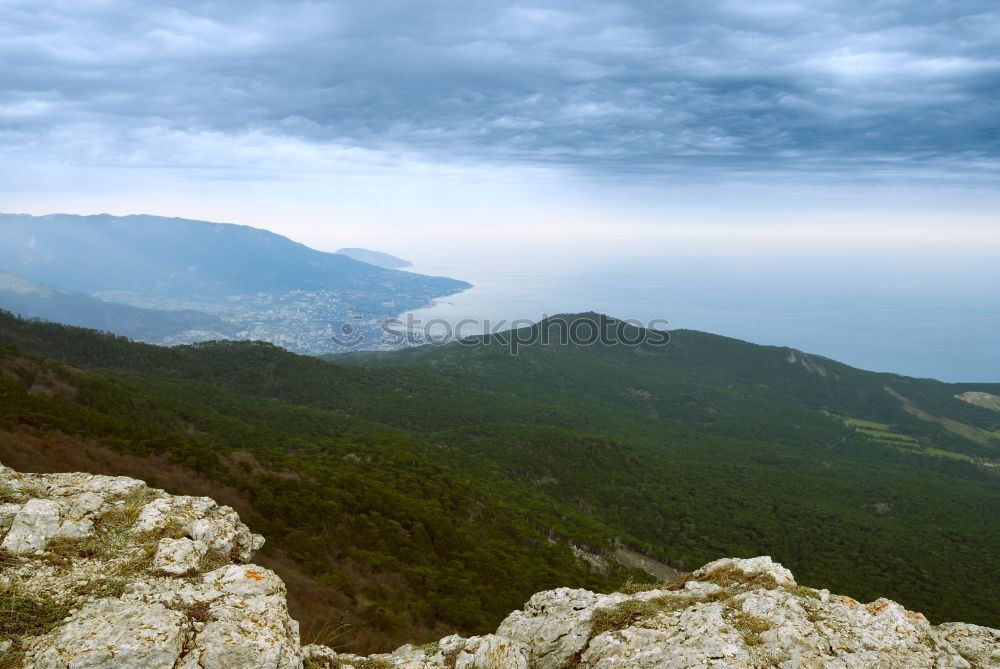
(99, 571)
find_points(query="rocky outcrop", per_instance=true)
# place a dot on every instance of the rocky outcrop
(985, 400)
(99, 571)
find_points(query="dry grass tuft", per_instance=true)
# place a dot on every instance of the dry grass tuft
(10, 496)
(28, 614)
(801, 591)
(332, 634)
(372, 664)
(750, 627)
(734, 577)
(8, 559)
(633, 588)
(198, 612)
(102, 587)
(622, 615)
(12, 659)
(111, 537)
(633, 611)
(211, 561)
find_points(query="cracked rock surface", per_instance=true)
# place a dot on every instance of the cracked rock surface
(99, 572)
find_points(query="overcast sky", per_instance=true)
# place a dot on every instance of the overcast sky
(476, 115)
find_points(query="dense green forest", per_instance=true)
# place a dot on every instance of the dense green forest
(434, 489)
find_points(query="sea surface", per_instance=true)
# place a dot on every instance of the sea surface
(921, 311)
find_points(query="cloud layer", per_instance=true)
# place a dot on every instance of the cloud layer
(843, 89)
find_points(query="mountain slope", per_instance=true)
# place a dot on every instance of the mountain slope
(687, 452)
(257, 284)
(359, 516)
(721, 385)
(376, 258)
(34, 300)
(183, 258)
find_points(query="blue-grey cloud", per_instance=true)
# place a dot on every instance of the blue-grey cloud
(838, 87)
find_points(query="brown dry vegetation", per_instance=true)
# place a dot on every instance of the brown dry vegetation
(36, 378)
(29, 450)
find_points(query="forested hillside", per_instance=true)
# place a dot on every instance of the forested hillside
(450, 480)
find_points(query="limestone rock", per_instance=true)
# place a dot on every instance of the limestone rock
(75, 529)
(7, 513)
(979, 645)
(754, 615)
(642, 647)
(491, 652)
(452, 652)
(320, 657)
(222, 531)
(33, 525)
(126, 602)
(555, 625)
(200, 518)
(177, 512)
(178, 556)
(84, 504)
(761, 566)
(113, 634)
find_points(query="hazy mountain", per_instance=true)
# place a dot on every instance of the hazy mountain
(183, 258)
(261, 285)
(34, 300)
(376, 258)
(436, 488)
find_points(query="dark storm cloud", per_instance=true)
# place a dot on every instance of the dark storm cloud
(856, 87)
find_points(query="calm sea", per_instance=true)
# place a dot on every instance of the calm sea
(927, 312)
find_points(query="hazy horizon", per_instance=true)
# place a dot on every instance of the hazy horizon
(904, 312)
(857, 139)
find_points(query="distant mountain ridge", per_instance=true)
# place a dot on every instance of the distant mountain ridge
(376, 258)
(247, 283)
(178, 257)
(36, 300)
